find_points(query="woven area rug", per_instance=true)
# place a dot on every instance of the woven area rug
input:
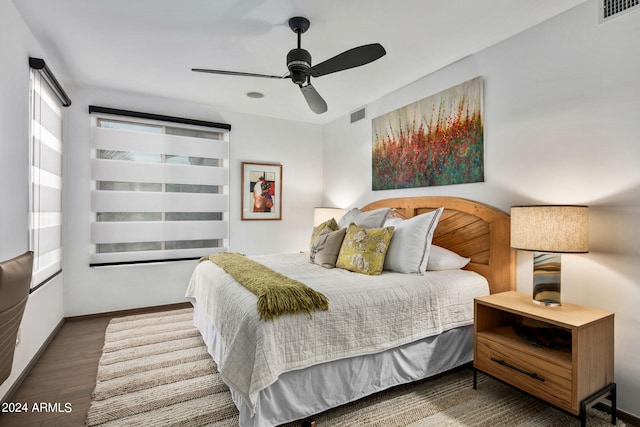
(155, 371)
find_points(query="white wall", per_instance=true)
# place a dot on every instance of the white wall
(44, 307)
(298, 147)
(562, 119)
(100, 289)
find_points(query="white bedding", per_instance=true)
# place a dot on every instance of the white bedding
(367, 314)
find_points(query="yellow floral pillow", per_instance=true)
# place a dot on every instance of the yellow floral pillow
(363, 249)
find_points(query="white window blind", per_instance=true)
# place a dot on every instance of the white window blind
(159, 189)
(45, 190)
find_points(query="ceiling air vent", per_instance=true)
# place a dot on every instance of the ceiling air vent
(358, 115)
(610, 9)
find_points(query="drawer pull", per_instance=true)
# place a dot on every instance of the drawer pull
(515, 368)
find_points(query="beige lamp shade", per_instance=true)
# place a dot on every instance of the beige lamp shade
(321, 215)
(557, 228)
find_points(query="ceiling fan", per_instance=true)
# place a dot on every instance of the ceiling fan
(301, 71)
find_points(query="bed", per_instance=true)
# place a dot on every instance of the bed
(376, 333)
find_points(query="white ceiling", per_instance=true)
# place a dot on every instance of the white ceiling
(150, 46)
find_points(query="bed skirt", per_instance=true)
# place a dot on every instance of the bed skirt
(302, 393)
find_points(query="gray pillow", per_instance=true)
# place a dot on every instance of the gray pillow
(326, 247)
(370, 219)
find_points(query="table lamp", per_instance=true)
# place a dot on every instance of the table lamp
(549, 231)
(321, 215)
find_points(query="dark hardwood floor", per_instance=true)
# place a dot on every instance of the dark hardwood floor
(62, 380)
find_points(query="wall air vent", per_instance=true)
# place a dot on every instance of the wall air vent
(610, 9)
(358, 115)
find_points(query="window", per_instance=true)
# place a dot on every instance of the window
(159, 189)
(45, 178)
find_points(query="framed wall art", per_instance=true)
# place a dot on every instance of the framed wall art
(261, 191)
(438, 140)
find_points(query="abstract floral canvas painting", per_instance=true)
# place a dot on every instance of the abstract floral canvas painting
(438, 140)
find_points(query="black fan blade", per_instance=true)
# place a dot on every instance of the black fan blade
(236, 73)
(349, 59)
(315, 101)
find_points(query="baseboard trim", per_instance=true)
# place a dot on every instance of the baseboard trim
(16, 385)
(624, 416)
(131, 311)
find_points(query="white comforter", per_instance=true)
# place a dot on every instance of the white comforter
(367, 314)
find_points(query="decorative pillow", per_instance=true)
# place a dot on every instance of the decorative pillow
(326, 247)
(363, 249)
(370, 219)
(444, 259)
(392, 221)
(409, 247)
(329, 225)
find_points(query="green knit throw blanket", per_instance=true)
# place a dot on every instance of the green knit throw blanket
(277, 294)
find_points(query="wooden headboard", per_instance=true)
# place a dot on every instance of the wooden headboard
(470, 229)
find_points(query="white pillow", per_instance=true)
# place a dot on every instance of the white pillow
(370, 219)
(409, 248)
(444, 259)
(392, 221)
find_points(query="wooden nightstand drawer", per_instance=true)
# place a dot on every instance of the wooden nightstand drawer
(546, 379)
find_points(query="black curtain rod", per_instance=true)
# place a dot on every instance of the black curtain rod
(139, 115)
(41, 66)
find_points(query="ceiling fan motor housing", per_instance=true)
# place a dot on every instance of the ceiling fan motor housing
(298, 62)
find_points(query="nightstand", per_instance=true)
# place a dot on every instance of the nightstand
(572, 375)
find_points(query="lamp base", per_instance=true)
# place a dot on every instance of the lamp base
(547, 303)
(546, 279)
